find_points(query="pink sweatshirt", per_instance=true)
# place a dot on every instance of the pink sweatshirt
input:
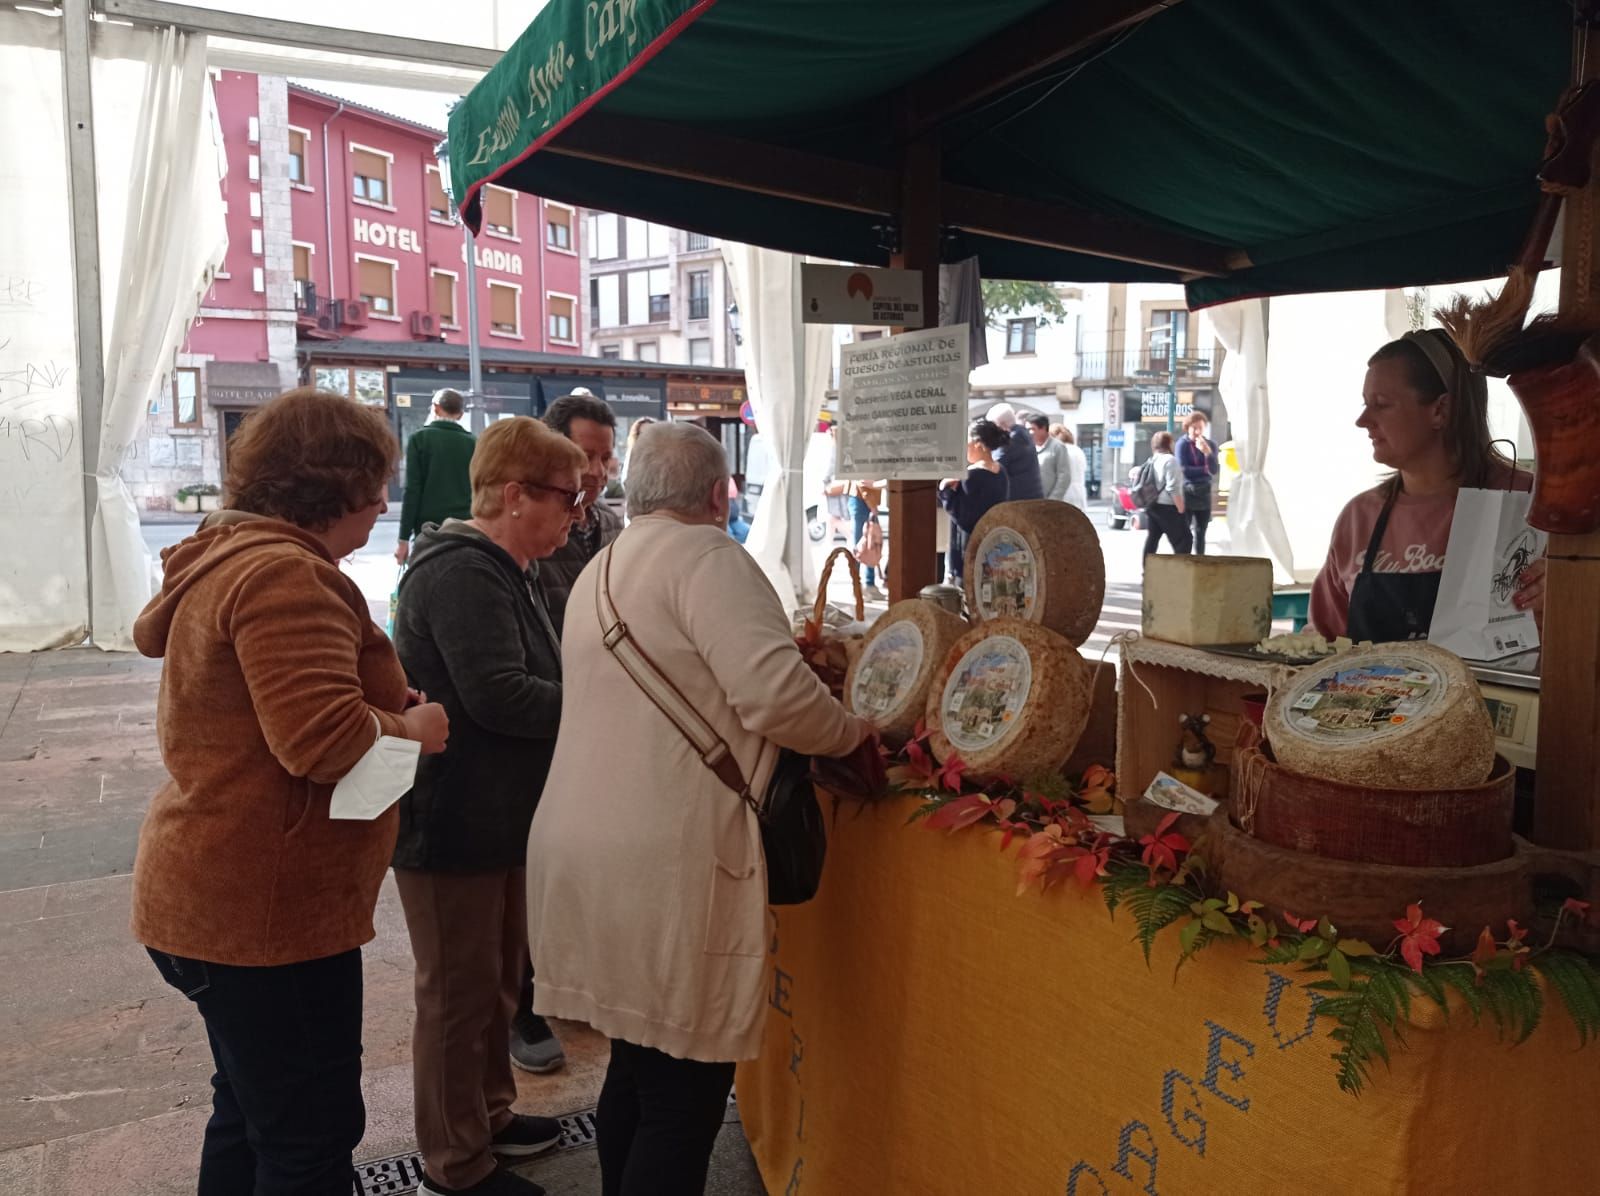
(1414, 542)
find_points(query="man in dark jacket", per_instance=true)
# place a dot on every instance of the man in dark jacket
(1019, 459)
(590, 424)
(438, 464)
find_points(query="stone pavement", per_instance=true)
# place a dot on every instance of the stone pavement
(104, 1070)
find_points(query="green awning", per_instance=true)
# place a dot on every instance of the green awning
(1241, 146)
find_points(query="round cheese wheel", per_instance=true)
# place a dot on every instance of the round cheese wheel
(900, 659)
(1037, 560)
(1012, 700)
(1396, 716)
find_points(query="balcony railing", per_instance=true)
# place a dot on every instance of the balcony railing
(699, 307)
(1147, 366)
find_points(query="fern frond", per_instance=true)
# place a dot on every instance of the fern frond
(1154, 909)
(1515, 1001)
(1576, 981)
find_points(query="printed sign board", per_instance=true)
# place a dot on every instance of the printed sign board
(860, 295)
(903, 407)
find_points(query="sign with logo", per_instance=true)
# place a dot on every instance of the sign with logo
(903, 406)
(1153, 407)
(860, 295)
(1116, 438)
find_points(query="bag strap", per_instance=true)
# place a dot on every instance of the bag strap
(667, 697)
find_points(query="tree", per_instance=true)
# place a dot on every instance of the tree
(1010, 297)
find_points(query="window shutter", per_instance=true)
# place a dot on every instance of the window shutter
(502, 306)
(375, 279)
(438, 201)
(444, 298)
(499, 208)
(302, 263)
(373, 166)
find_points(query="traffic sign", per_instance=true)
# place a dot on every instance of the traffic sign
(1116, 438)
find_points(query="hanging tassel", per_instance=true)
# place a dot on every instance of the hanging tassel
(1482, 329)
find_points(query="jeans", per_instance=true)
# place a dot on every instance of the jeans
(1166, 520)
(1198, 518)
(657, 1121)
(286, 1107)
(860, 513)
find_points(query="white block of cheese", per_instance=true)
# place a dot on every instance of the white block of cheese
(1208, 599)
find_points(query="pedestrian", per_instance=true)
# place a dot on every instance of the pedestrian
(970, 499)
(1018, 458)
(475, 634)
(1166, 513)
(636, 427)
(590, 424)
(1078, 488)
(1197, 457)
(1055, 466)
(438, 456)
(865, 499)
(251, 898)
(647, 887)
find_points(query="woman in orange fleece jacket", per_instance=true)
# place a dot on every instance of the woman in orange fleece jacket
(252, 902)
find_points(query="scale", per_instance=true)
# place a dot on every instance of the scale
(1510, 689)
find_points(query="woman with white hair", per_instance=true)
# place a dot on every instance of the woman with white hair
(647, 886)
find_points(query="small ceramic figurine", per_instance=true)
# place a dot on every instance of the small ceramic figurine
(1194, 761)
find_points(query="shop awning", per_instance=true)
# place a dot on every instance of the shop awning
(1240, 146)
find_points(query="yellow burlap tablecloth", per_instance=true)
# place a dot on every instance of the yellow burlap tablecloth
(932, 1032)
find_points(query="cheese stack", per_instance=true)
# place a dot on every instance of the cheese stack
(1012, 700)
(1397, 716)
(900, 660)
(1038, 560)
(1207, 599)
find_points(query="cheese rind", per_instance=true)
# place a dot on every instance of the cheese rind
(1396, 716)
(1203, 600)
(1038, 560)
(899, 661)
(1012, 699)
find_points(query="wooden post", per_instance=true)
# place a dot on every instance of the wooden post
(914, 506)
(1567, 807)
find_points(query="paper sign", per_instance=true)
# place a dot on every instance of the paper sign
(860, 295)
(903, 407)
(1173, 794)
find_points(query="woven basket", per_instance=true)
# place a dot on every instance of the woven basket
(828, 650)
(1433, 828)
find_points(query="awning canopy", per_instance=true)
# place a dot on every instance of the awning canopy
(1240, 146)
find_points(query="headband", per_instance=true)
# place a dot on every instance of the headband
(1460, 380)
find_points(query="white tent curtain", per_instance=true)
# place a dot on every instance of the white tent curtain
(787, 367)
(1255, 526)
(161, 232)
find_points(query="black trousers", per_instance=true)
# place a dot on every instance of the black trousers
(286, 1107)
(657, 1121)
(1198, 519)
(1166, 521)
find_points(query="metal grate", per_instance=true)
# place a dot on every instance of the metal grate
(401, 1174)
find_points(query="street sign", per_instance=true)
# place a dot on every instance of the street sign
(860, 295)
(1116, 438)
(1149, 374)
(1153, 407)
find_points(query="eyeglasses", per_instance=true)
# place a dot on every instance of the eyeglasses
(574, 497)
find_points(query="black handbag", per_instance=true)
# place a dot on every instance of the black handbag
(794, 838)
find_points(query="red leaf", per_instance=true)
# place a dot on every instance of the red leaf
(1303, 925)
(1485, 950)
(1517, 933)
(1090, 865)
(918, 760)
(1419, 936)
(961, 812)
(949, 776)
(1573, 906)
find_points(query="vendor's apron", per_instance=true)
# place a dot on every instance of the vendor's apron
(1385, 607)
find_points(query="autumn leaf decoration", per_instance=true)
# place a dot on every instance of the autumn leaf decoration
(1162, 847)
(1419, 936)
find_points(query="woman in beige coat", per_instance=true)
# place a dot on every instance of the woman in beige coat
(647, 911)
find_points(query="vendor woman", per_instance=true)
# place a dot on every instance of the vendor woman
(1426, 412)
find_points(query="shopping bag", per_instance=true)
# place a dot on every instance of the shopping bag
(1490, 546)
(394, 602)
(869, 549)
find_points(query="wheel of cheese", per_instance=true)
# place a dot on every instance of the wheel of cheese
(900, 659)
(1396, 716)
(1038, 560)
(1012, 700)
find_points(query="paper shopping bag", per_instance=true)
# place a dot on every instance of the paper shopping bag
(1490, 545)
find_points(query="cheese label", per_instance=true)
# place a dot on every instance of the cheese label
(1008, 576)
(986, 692)
(888, 669)
(1366, 702)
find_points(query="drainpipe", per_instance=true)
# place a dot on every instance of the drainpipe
(327, 194)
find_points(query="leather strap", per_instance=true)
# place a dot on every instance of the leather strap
(667, 697)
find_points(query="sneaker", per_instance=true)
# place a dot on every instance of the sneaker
(498, 1182)
(526, 1135)
(534, 1046)
(873, 594)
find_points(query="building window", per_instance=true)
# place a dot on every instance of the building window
(658, 241)
(558, 227)
(297, 158)
(302, 269)
(660, 295)
(504, 316)
(699, 294)
(255, 205)
(604, 246)
(375, 285)
(638, 300)
(1021, 336)
(370, 175)
(700, 350)
(500, 211)
(444, 298)
(611, 352)
(606, 291)
(696, 242)
(258, 280)
(438, 201)
(647, 351)
(561, 318)
(185, 398)
(253, 167)
(257, 245)
(1169, 338)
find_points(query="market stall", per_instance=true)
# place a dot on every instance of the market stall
(1317, 150)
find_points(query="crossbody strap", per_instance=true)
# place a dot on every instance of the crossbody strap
(667, 697)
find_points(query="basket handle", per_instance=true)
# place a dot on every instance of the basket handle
(822, 585)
